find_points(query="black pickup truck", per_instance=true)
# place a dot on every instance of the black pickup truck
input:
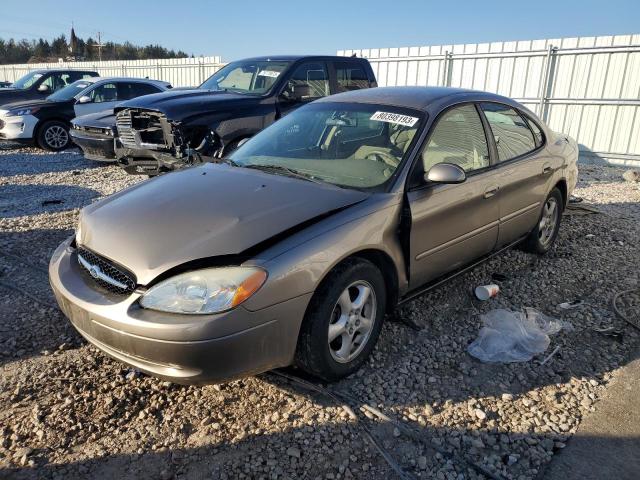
(170, 130)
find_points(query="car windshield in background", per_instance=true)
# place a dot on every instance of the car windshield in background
(70, 91)
(246, 77)
(25, 82)
(348, 145)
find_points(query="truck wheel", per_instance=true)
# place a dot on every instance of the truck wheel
(343, 321)
(53, 136)
(544, 234)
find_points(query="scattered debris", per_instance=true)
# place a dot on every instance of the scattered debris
(485, 292)
(574, 199)
(571, 304)
(555, 350)
(499, 277)
(509, 336)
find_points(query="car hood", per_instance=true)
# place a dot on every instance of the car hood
(29, 103)
(102, 119)
(180, 104)
(208, 211)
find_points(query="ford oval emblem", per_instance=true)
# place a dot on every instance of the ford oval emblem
(95, 271)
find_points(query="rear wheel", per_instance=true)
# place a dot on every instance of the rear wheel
(343, 321)
(54, 136)
(544, 235)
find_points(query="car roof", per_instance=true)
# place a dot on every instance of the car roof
(49, 70)
(125, 79)
(293, 58)
(417, 98)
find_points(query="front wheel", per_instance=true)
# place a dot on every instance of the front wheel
(544, 234)
(343, 321)
(53, 136)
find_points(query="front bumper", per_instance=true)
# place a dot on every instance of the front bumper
(189, 349)
(17, 128)
(94, 147)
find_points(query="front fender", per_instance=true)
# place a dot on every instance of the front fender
(298, 264)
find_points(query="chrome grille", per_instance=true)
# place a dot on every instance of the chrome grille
(105, 273)
(125, 129)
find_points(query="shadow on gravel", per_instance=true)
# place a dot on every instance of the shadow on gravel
(22, 200)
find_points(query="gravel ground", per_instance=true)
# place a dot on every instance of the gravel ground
(67, 411)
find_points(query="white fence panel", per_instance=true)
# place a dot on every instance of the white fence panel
(180, 72)
(588, 87)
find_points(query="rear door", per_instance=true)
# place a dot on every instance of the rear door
(451, 225)
(523, 170)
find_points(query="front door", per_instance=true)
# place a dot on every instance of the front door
(102, 97)
(451, 225)
(308, 82)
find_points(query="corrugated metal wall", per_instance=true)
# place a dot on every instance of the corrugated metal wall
(180, 72)
(588, 87)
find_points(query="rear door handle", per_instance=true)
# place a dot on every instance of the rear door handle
(491, 192)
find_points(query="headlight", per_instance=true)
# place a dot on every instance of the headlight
(211, 290)
(19, 112)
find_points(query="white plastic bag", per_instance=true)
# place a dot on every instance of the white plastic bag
(509, 336)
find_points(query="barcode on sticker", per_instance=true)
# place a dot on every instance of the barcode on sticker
(269, 73)
(394, 118)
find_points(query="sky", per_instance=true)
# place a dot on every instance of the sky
(249, 27)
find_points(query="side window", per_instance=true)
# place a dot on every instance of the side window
(510, 131)
(537, 132)
(350, 76)
(107, 92)
(58, 80)
(309, 81)
(127, 91)
(458, 138)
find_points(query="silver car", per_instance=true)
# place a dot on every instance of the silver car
(294, 249)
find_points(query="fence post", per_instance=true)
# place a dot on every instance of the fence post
(547, 82)
(124, 70)
(448, 68)
(158, 71)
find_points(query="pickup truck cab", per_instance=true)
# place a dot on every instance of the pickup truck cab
(167, 131)
(39, 84)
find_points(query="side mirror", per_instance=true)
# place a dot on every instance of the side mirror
(44, 88)
(84, 99)
(445, 173)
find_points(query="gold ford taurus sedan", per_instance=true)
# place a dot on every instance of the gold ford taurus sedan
(294, 249)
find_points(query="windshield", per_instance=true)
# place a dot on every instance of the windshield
(25, 82)
(253, 77)
(70, 91)
(349, 145)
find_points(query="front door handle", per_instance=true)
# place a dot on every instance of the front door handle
(491, 192)
(546, 169)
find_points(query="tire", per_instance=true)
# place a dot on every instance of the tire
(53, 136)
(334, 360)
(542, 237)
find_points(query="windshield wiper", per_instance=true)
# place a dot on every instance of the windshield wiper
(284, 170)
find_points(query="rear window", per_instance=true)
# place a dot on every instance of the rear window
(511, 132)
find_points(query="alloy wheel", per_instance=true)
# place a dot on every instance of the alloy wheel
(352, 321)
(548, 222)
(56, 136)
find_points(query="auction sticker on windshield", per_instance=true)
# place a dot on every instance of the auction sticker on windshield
(394, 118)
(269, 73)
